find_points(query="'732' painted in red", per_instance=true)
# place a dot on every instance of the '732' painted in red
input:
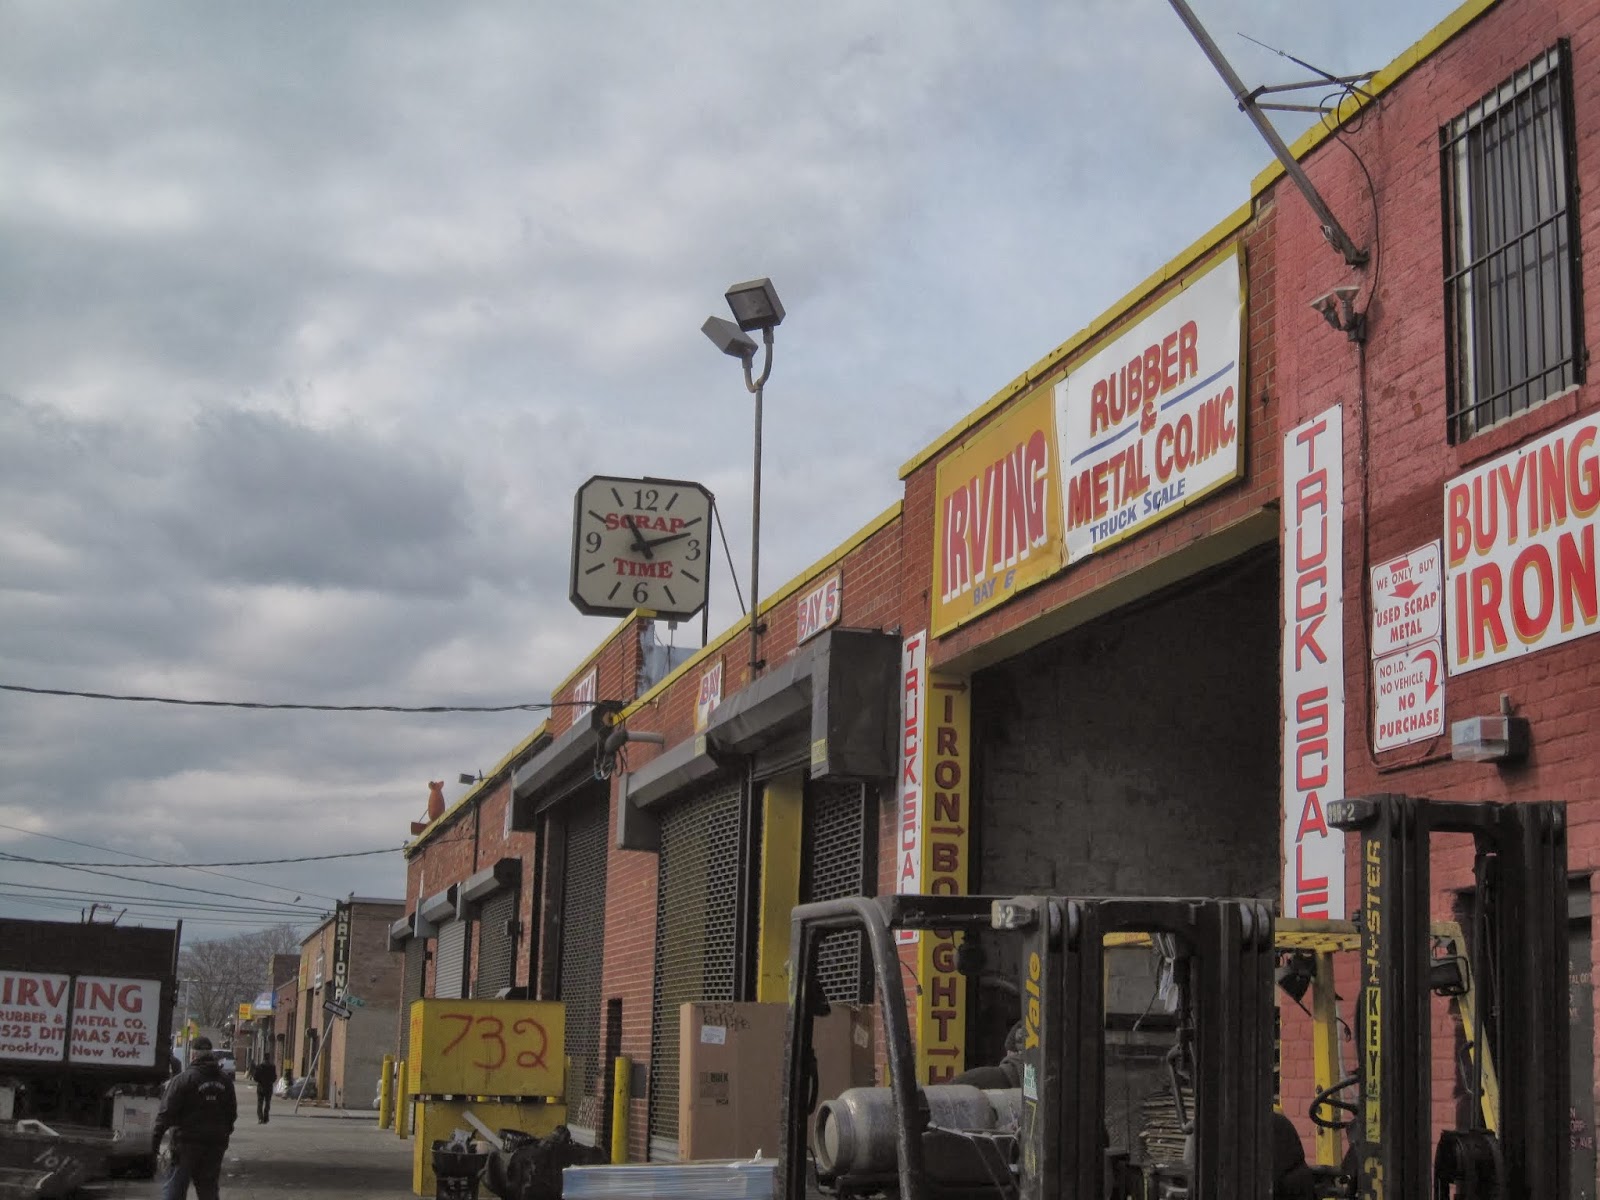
(491, 1033)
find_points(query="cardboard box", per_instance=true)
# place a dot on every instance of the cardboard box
(730, 1072)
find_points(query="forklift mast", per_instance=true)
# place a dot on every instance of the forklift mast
(1521, 957)
(1224, 971)
(1225, 948)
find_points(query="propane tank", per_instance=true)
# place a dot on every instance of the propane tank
(856, 1130)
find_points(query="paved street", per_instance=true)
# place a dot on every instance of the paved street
(311, 1155)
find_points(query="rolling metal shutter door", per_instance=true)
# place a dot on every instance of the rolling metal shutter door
(836, 863)
(788, 754)
(450, 961)
(416, 964)
(497, 944)
(583, 931)
(696, 930)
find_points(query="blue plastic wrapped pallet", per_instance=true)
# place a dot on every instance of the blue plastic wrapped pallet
(749, 1179)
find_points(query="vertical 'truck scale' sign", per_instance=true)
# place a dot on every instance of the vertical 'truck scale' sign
(1313, 665)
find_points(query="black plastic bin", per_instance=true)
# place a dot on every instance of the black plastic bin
(456, 1172)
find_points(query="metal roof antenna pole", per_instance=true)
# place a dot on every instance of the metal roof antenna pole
(1331, 229)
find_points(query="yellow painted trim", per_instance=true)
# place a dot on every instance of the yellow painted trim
(783, 808)
(1052, 362)
(478, 790)
(1419, 52)
(835, 556)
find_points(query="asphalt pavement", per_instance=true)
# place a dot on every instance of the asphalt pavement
(315, 1153)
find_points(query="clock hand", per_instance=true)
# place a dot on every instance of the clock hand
(671, 537)
(638, 539)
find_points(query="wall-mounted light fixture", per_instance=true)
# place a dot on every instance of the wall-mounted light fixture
(622, 735)
(1338, 310)
(1502, 738)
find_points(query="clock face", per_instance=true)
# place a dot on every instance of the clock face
(641, 543)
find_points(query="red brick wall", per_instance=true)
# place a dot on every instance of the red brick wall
(1397, 454)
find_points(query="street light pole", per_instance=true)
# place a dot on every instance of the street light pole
(755, 305)
(757, 388)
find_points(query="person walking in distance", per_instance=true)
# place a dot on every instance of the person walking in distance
(200, 1108)
(265, 1075)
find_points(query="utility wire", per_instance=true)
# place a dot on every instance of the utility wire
(203, 870)
(243, 862)
(182, 887)
(62, 892)
(295, 707)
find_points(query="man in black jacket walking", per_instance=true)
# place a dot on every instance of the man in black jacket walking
(200, 1107)
(265, 1075)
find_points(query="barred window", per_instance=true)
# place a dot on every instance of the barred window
(1512, 305)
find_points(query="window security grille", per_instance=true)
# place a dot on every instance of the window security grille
(837, 861)
(416, 963)
(696, 930)
(583, 933)
(1512, 303)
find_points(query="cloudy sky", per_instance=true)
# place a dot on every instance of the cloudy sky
(313, 317)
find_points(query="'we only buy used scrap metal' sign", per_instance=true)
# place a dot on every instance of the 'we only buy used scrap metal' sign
(1407, 648)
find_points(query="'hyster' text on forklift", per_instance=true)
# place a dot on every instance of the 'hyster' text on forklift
(1046, 1138)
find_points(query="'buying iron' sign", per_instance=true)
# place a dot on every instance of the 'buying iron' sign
(1519, 541)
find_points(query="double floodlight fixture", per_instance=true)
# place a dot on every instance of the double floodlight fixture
(729, 338)
(755, 305)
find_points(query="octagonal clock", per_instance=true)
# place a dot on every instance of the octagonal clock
(641, 543)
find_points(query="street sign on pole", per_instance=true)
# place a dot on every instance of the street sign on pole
(336, 1010)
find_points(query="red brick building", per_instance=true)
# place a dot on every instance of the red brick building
(1129, 627)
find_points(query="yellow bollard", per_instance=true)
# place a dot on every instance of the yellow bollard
(621, 1079)
(402, 1102)
(386, 1092)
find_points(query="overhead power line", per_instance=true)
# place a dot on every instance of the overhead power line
(182, 887)
(289, 916)
(162, 862)
(166, 866)
(531, 706)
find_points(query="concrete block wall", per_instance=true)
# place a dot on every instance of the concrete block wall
(1137, 755)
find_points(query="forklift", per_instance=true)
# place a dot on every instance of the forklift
(1045, 1139)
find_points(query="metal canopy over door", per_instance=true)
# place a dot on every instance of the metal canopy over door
(839, 859)
(450, 961)
(497, 944)
(583, 930)
(697, 923)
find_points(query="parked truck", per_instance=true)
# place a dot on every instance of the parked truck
(85, 1049)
